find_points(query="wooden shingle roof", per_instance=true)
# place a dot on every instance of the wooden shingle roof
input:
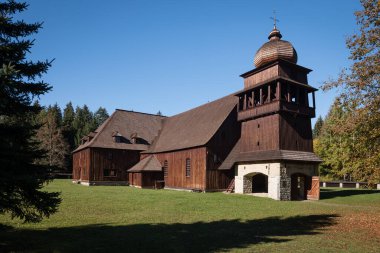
(149, 163)
(194, 127)
(125, 123)
(235, 156)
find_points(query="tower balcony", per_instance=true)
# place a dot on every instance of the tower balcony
(275, 107)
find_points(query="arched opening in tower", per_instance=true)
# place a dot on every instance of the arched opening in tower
(260, 183)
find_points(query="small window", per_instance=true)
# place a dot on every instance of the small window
(188, 167)
(166, 168)
(258, 125)
(258, 143)
(109, 173)
(117, 139)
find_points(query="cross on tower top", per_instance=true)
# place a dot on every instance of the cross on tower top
(274, 19)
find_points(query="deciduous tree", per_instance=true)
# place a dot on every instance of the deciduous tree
(51, 138)
(360, 95)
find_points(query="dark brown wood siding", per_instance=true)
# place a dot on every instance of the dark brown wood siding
(219, 180)
(112, 159)
(82, 165)
(135, 178)
(223, 141)
(261, 76)
(218, 148)
(260, 134)
(295, 133)
(150, 177)
(177, 168)
(293, 72)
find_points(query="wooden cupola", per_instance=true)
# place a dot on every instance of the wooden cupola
(277, 103)
(277, 83)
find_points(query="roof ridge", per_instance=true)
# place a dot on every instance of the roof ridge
(123, 110)
(199, 106)
(96, 135)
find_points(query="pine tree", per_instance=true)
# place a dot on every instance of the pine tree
(100, 116)
(67, 125)
(21, 177)
(68, 132)
(317, 127)
(83, 123)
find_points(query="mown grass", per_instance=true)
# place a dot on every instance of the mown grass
(114, 219)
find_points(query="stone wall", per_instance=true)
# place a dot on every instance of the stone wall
(247, 184)
(285, 184)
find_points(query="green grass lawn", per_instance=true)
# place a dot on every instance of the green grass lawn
(125, 219)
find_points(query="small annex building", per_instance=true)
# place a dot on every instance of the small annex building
(256, 140)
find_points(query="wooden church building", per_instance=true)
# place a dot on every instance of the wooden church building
(257, 140)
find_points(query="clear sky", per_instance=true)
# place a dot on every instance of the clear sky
(173, 55)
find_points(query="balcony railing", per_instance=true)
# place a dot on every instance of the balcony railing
(273, 107)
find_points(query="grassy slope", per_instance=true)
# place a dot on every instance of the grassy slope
(136, 220)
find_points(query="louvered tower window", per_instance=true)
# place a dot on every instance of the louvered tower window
(188, 167)
(166, 167)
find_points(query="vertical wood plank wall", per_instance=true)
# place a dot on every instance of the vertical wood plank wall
(177, 168)
(295, 133)
(261, 76)
(81, 165)
(260, 134)
(218, 148)
(135, 178)
(112, 159)
(145, 179)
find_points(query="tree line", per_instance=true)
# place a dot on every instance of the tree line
(60, 132)
(348, 138)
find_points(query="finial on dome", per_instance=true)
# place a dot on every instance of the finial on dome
(274, 20)
(274, 34)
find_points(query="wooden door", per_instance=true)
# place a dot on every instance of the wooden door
(299, 186)
(313, 193)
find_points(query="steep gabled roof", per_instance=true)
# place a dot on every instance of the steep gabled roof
(149, 163)
(125, 123)
(194, 127)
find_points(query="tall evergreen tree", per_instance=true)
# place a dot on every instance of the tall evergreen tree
(100, 116)
(68, 132)
(67, 125)
(21, 177)
(317, 127)
(83, 123)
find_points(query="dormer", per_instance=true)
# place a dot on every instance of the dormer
(117, 137)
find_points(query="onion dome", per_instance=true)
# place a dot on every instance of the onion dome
(275, 49)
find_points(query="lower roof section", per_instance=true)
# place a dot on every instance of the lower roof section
(149, 163)
(235, 156)
(289, 155)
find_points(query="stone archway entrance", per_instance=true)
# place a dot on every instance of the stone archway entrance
(260, 183)
(256, 183)
(300, 185)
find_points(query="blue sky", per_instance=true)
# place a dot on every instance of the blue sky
(173, 55)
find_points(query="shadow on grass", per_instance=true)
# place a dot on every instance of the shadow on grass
(330, 193)
(195, 237)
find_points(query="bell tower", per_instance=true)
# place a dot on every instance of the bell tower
(275, 110)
